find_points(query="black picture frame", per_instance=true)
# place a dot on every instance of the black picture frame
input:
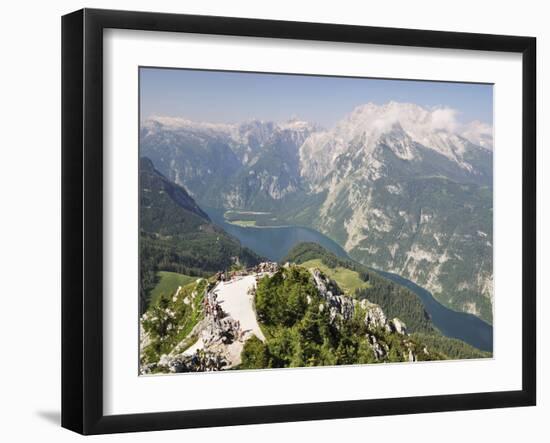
(82, 217)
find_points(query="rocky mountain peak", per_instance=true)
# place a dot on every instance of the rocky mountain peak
(399, 126)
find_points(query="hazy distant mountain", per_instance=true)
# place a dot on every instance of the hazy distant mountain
(401, 188)
(251, 165)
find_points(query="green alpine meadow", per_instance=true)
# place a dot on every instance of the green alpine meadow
(344, 226)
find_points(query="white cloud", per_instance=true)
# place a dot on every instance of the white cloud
(444, 119)
(422, 124)
(478, 133)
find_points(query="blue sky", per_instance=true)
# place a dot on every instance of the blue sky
(230, 97)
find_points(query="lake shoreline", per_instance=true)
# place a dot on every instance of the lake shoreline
(453, 324)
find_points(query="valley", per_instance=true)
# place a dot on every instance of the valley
(273, 245)
(388, 185)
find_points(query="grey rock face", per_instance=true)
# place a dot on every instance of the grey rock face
(343, 307)
(380, 350)
(376, 321)
(339, 305)
(215, 332)
(201, 361)
(398, 326)
(374, 317)
(251, 165)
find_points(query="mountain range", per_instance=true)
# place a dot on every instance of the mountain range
(401, 188)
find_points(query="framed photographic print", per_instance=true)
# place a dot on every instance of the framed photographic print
(269, 221)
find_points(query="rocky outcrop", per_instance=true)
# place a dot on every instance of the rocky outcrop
(380, 350)
(260, 270)
(377, 323)
(374, 316)
(398, 326)
(265, 268)
(338, 304)
(217, 332)
(212, 349)
(224, 331)
(343, 307)
(376, 319)
(200, 361)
